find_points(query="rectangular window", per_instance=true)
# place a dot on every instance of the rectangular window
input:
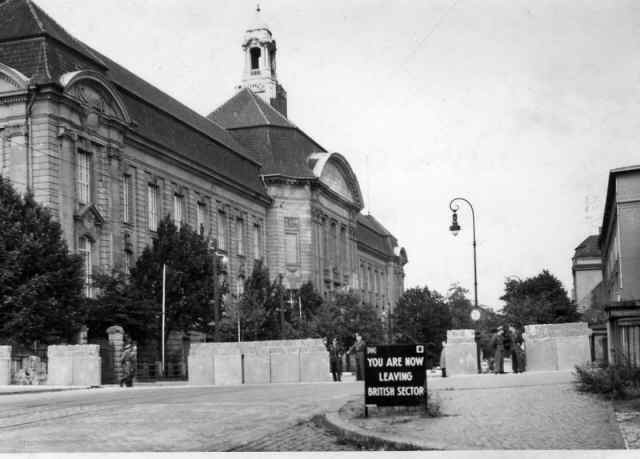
(153, 193)
(201, 217)
(256, 242)
(332, 244)
(83, 171)
(85, 252)
(178, 209)
(240, 235)
(291, 248)
(126, 198)
(127, 261)
(222, 231)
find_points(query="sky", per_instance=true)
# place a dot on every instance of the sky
(521, 107)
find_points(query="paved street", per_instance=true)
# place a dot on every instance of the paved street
(518, 411)
(162, 418)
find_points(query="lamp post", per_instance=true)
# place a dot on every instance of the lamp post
(217, 287)
(455, 229)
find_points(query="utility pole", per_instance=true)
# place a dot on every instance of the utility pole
(213, 246)
(281, 308)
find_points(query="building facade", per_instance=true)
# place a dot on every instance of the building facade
(619, 243)
(110, 155)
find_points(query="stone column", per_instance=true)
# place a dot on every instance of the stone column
(116, 339)
(5, 365)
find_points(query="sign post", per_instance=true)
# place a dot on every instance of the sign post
(395, 375)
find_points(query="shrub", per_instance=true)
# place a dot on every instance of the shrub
(618, 381)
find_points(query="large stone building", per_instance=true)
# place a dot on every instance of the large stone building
(110, 155)
(620, 247)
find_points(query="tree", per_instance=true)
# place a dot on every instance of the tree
(259, 305)
(460, 308)
(422, 316)
(40, 281)
(537, 300)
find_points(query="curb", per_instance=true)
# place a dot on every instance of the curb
(353, 433)
(43, 390)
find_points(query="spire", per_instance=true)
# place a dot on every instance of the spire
(260, 74)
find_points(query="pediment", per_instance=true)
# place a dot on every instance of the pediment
(92, 91)
(90, 217)
(11, 79)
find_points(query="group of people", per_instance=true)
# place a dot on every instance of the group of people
(335, 357)
(507, 343)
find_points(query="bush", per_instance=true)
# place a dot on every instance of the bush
(616, 381)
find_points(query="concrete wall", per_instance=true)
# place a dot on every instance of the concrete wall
(74, 365)
(552, 347)
(258, 362)
(5, 365)
(461, 352)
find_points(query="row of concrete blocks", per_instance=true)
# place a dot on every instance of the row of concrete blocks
(257, 363)
(548, 347)
(67, 365)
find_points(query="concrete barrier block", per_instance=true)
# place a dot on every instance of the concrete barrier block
(284, 367)
(314, 366)
(59, 365)
(200, 361)
(461, 357)
(227, 369)
(86, 365)
(572, 351)
(5, 365)
(541, 354)
(256, 368)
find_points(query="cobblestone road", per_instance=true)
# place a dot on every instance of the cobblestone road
(523, 411)
(161, 419)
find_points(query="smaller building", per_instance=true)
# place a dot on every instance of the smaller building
(619, 244)
(587, 272)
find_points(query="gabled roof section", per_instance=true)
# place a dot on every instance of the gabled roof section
(588, 248)
(245, 109)
(35, 45)
(372, 235)
(25, 19)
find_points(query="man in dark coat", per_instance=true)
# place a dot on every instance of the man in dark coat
(497, 343)
(128, 364)
(358, 347)
(515, 341)
(335, 359)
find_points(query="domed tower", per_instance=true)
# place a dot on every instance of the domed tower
(260, 65)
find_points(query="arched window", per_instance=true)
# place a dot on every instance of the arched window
(255, 58)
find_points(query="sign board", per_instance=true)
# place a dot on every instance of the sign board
(395, 375)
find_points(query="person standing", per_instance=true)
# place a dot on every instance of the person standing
(335, 359)
(358, 347)
(498, 356)
(128, 364)
(443, 359)
(515, 340)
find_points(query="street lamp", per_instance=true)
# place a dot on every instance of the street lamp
(455, 229)
(217, 286)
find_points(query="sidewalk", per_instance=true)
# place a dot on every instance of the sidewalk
(512, 411)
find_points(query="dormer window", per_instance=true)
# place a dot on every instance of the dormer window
(255, 58)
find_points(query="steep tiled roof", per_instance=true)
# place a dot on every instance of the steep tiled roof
(281, 147)
(371, 234)
(245, 109)
(588, 247)
(34, 44)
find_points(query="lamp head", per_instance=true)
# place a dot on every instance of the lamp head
(454, 228)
